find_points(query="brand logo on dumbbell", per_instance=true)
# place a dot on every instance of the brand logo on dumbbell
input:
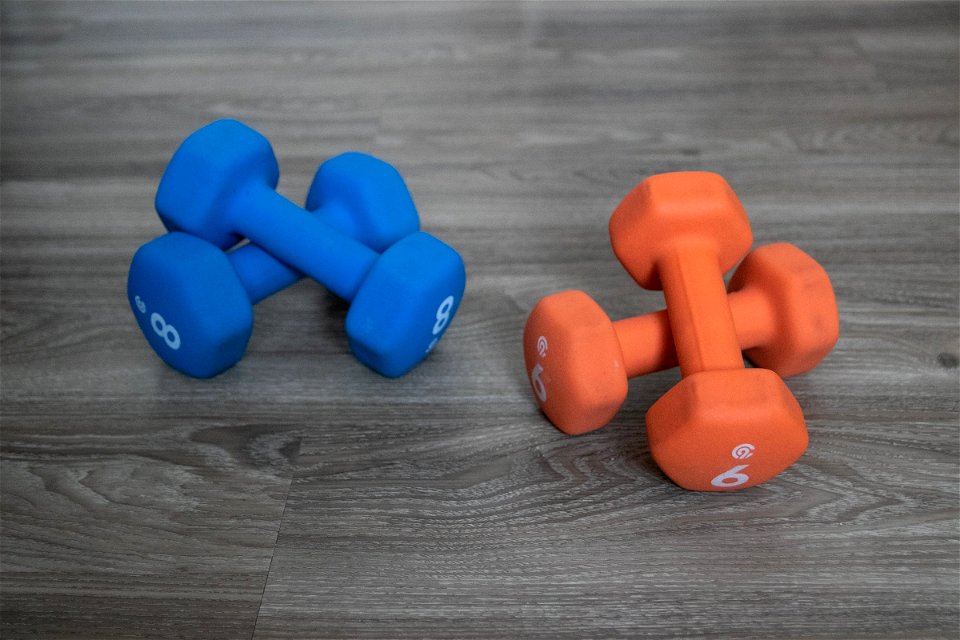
(542, 346)
(734, 477)
(742, 451)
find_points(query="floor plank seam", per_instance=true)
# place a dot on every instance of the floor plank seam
(283, 512)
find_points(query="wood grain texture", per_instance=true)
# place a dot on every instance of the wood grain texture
(299, 495)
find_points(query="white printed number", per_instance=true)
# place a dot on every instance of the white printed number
(538, 387)
(443, 315)
(166, 331)
(443, 319)
(731, 477)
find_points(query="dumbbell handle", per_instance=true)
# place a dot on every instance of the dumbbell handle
(647, 340)
(262, 275)
(300, 239)
(700, 318)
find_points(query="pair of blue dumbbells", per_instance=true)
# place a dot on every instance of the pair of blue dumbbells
(192, 290)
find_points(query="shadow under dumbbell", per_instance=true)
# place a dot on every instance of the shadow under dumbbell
(628, 431)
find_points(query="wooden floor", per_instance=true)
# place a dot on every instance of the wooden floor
(300, 495)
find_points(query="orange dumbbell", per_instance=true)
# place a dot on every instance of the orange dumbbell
(722, 426)
(579, 361)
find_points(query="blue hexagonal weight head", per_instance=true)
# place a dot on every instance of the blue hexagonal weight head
(365, 198)
(189, 304)
(214, 164)
(406, 304)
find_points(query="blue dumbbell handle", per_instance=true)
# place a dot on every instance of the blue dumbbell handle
(262, 275)
(300, 239)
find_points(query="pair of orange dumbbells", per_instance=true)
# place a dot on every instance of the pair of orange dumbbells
(723, 426)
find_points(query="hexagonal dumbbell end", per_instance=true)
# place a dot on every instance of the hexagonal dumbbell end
(574, 361)
(405, 304)
(364, 197)
(189, 304)
(687, 206)
(784, 304)
(206, 172)
(718, 430)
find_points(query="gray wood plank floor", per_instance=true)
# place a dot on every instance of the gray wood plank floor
(299, 495)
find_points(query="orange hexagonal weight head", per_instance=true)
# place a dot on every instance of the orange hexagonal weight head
(719, 430)
(682, 207)
(574, 362)
(787, 292)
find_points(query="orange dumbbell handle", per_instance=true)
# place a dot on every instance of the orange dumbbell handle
(647, 341)
(700, 318)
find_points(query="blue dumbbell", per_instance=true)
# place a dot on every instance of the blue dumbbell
(193, 302)
(192, 288)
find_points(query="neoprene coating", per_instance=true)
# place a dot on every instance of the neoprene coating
(192, 301)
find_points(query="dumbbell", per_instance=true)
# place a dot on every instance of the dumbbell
(227, 171)
(722, 426)
(200, 299)
(220, 185)
(579, 361)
